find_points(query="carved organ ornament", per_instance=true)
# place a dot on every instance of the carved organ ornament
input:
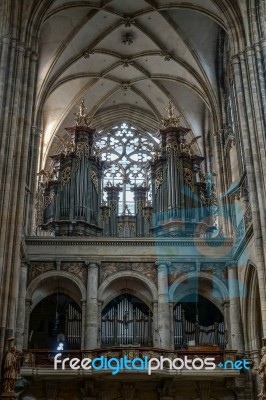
(126, 183)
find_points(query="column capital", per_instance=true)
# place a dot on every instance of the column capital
(226, 303)
(231, 265)
(93, 264)
(161, 263)
(6, 39)
(25, 263)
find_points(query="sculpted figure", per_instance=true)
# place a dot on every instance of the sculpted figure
(262, 374)
(10, 372)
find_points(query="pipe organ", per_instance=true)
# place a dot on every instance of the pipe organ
(73, 326)
(193, 333)
(125, 183)
(126, 321)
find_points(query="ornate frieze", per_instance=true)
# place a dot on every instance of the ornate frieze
(146, 269)
(76, 268)
(37, 268)
(179, 269)
(217, 269)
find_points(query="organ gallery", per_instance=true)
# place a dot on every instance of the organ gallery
(132, 201)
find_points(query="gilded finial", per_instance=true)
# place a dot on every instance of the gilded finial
(82, 119)
(171, 119)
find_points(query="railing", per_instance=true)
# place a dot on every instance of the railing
(45, 358)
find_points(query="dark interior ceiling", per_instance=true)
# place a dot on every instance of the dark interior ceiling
(170, 53)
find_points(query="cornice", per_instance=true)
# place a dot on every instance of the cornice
(72, 241)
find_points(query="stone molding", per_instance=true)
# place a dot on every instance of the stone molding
(134, 242)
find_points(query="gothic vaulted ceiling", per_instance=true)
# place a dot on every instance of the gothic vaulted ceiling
(127, 59)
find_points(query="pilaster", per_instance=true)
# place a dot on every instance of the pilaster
(21, 305)
(236, 326)
(164, 325)
(91, 321)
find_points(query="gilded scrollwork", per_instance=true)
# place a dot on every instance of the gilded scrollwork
(188, 177)
(186, 149)
(158, 179)
(49, 198)
(65, 176)
(47, 176)
(201, 176)
(82, 148)
(113, 205)
(39, 204)
(171, 119)
(140, 204)
(125, 224)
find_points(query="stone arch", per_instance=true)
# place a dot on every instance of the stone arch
(74, 287)
(148, 298)
(217, 296)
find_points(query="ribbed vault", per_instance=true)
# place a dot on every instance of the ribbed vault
(127, 59)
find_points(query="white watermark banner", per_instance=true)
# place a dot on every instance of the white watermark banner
(115, 365)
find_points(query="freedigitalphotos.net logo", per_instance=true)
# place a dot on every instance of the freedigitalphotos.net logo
(116, 365)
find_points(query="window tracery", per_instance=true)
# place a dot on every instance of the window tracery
(126, 153)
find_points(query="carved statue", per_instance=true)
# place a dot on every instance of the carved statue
(262, 374)
(82, 119)
(10, 371)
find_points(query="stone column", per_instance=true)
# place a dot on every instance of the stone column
(163, 305)
(36, 134)
(18, 63)
(28, 304)
(237, 338)
(254, 167)
(91, 320)
(21, 305)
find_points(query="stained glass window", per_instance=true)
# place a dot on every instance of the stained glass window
(126, 152)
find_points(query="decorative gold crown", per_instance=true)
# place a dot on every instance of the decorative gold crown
(171, 119)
